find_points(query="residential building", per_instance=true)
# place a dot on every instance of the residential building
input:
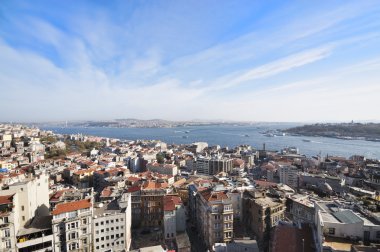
(213, 165)
(288, 175)
(301, 208)
(174, 216)
(9, 225)
(214, 217)
(112, 225)
(168, 169)
(72, 226)
(261, 213)
(335, 222)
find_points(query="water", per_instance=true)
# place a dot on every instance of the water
(231, 136)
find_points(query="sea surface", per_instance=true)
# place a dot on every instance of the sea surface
(234, 135)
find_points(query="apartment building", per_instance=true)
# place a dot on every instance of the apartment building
(336, 223)
(288, 175)
(72, 226)
(9, 225)
(168, 169)
(174, 216)
(214, 217)
(213, 165)
(261, 213)
(112, 225)
(301, 208)
(147, 204)
(202, 165)
(21, 204)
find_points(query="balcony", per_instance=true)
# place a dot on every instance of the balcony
(23, 243)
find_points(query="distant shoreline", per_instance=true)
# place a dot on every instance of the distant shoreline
(344, 131)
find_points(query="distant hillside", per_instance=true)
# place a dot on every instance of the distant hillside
(368, 131)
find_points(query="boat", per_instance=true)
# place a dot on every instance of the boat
(306, 140)
(184, 136)
(187, 131)
(246, 135)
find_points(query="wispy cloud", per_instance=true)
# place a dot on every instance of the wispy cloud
(103, 64)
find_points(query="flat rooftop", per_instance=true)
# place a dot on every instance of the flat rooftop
(267, 201)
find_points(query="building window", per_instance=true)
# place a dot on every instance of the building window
(96, 224)
(73, 235)
(22, 208)
(73, 246)
(23, 218)
(7, 233)
(378, 234)
(8, 244)
(331, 231)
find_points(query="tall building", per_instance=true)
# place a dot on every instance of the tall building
(213, 165)
(20, 204)
(112, 225)
(202, 165)
(214, 217)
(8, 223)
(147, 204)
(289, 175)
(174, 216)
(72, 226)
(261, 214)
(33, 197)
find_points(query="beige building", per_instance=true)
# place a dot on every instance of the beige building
(72, 226)
(288, 175)
(20, 203)
(168, 169)
(262, 213)
(213, 165)
(214, 217)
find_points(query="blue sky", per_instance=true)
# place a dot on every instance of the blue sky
(181, 60)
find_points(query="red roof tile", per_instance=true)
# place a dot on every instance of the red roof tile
(7, 199)
(71, 206)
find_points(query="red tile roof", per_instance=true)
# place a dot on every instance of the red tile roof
(71, 206)
(265, 184)
(106, 192)
(209, 195)
(171, 201)
(57, 195)
(133, 189)
(7, 199)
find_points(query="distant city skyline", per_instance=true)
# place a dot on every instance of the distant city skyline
(243, 61)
